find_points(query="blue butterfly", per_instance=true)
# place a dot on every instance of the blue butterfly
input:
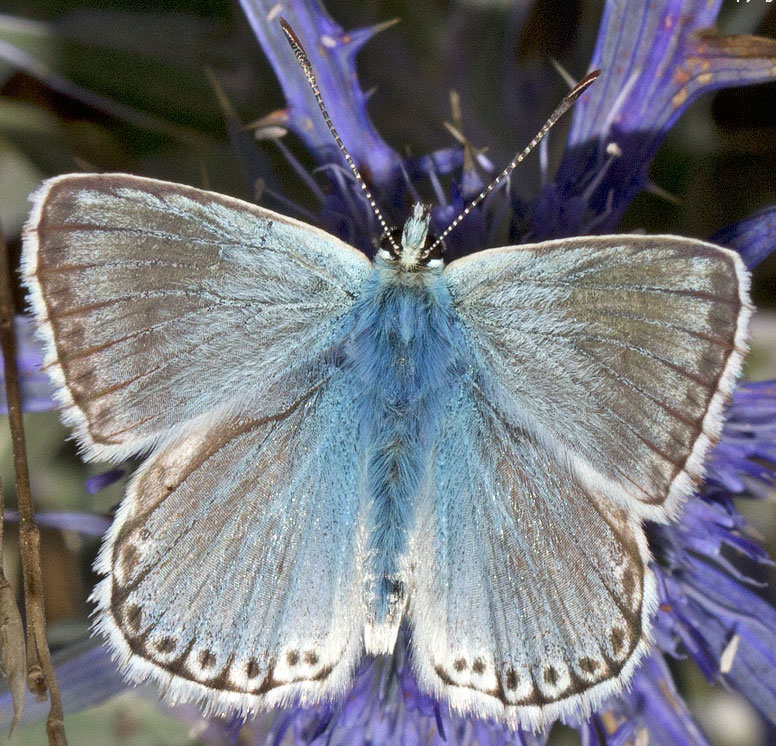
(337, 445)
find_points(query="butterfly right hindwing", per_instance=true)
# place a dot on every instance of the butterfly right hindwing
(234, 568)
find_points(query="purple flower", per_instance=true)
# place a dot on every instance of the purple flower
(656, 59)
(652, 713)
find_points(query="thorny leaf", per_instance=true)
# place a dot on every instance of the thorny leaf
(656, 59)
(332, 53)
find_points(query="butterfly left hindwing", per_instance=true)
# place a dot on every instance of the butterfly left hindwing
(531, 595)
(233, 569)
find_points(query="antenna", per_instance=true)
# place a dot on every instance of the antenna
(563, 107)
(307, 69)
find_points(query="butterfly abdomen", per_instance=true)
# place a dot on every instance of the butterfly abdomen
(393, 470)
(401, 353)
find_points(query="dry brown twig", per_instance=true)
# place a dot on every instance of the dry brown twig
(40, 671)
(13, 663)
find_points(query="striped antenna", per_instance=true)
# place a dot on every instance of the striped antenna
(307, 69)
(563, 107)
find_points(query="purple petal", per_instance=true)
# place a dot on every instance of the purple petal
(656, 59)
(34, 385)
(754, 237)
(101, 481)
(744, 461)
(332, 53)
(712, 609)
(87, 524)
(87, 676)
(709, 606)
(652, 707)
(660, 708)
(711, 528)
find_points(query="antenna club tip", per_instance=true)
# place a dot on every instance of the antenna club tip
(289, 32)
(582, 86)
(587, 81)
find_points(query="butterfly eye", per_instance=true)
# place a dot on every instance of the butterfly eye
(391, 242)
(433, 249)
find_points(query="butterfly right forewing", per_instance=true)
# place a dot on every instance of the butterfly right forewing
(158, 302)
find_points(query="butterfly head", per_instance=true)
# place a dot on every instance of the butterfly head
(411, 246)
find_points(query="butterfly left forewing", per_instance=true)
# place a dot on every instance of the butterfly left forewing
(617, 352)
(233, 571)
(531, 594)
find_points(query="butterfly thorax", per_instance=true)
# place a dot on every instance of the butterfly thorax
(403, 347)
(404, 335)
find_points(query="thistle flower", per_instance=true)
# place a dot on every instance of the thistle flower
(656, 60)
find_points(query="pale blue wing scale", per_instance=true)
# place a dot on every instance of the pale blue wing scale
(234, 569)
(531, 598)
(617, 353)
(158, 302)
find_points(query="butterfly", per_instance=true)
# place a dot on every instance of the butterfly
(337, 446)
